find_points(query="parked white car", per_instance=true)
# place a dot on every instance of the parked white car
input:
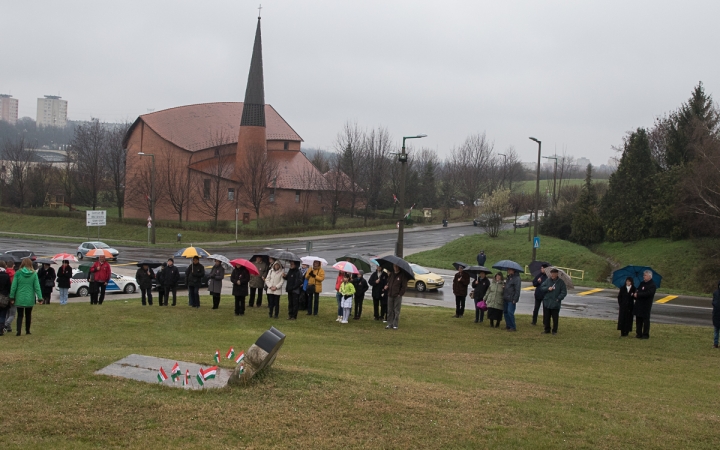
(80, 286)
(92, 245)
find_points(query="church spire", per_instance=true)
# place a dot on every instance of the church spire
(254, 106)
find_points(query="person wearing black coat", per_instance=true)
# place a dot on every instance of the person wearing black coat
(46, 276)
(481, 258)
(715, 314)
(144, 277)
(160, 283)
(5, 285)
(643, 304)
(64, 275)
(240, 277)
(378, 280)
(293, 286)
(361, 286)
(194, 275)
(171, 278)
(537, 282)
(626, 302)
(480, 287)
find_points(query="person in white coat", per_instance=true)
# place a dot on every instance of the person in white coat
(273, 284)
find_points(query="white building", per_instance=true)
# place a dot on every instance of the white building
(51, 111)
(582, 163)
(8, 108)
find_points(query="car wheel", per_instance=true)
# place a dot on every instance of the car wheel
(83, 292)
(420, 286)
(79, 255)
(129, 288)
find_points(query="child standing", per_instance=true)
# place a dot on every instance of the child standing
(347, 290)
(716, 315)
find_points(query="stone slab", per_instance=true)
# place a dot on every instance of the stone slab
(146, 369)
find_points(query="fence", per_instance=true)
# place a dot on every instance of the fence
(576, 274)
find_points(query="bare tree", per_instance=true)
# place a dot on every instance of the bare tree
(68, 175)
(337, 189)
(177, 186)
(494, 207)
(374, 168)
(349, 144)
(211, 182)
(449, 184)
(114, 159)
(313, 184)
(256, 175)
(321, 161)
(701, 188)
(41, 179)
(89, 143)
(18, 160)
(140, 186)
(473, 161)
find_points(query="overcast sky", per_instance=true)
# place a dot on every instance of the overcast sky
(575, 74)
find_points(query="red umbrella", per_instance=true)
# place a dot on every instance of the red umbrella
(246, 264)
(97, 252)
(62, 256)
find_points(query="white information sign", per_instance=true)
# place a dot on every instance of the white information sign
(95, 218)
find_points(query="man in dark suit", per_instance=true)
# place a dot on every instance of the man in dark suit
(644, 297)
(481, 258)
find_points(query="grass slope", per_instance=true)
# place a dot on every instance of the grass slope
(435, 383)
(515, 246)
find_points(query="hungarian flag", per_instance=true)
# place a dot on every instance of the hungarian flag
(208, 373)
(230, 353)
(162, 376)
(242, 368)
(175, 372)
(186, 380)
(217, 356)
(199, 377)
(240, 358)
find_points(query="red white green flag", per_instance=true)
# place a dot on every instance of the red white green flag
(162, 376)
(240, 358)
(242, 368)
(208, 373)
(199, 377)
(175, 372)
(186, 380)
(230, 353)
(217, 356)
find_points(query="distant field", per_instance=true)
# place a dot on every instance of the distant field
(547, 185)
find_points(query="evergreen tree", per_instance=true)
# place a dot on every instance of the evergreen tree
(626, 207)
(587, 227)
(698, 114)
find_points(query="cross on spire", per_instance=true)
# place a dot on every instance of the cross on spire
(259, 10)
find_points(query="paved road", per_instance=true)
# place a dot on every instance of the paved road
(601, 305)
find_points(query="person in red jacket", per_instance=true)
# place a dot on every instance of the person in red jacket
(100, 273)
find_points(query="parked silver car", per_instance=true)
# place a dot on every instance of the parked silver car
(87, 246)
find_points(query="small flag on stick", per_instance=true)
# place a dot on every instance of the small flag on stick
(209, 373)
(199, 377)
(186, 380)
(162, 376)
(240, 358)
(217, 356)
(230, 354)
(175, 372)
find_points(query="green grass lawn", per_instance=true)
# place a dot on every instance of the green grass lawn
(515, 246)
(434, 383)
(528, 186)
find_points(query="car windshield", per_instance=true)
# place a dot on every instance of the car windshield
(419, 269)
(525, 217)
(101, 245)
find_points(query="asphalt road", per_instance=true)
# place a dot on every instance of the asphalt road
(601, 305)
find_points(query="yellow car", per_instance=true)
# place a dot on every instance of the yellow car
(425, 280)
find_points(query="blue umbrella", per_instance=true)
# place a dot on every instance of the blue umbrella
(506, 264)
(636, 273)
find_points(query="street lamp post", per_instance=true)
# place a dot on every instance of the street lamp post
(554, 176)
(537, 194)
(402, 157)
(502, 183)
(152, 196)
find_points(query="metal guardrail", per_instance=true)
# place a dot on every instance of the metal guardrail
(576, 274)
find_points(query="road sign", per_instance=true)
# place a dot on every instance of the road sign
(149, 224)
(95, 218)
(309, 246)
(149, 218)
(536, 242)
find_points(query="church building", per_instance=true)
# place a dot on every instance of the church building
(213, 158)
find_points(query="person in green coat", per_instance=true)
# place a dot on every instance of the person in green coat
(25, 288)
(554, 291)
(494, 300)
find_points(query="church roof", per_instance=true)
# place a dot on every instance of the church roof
(253, 112)
(194, 127)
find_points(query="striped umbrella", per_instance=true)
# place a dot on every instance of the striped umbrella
(191, 252)
(345, 266)
(98, 252)
(62, 256)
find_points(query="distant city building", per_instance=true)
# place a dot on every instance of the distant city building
(582, 163)
(8, 108)
(52, 111)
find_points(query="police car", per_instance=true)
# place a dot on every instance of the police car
(80, 286)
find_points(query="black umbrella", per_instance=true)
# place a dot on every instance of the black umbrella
(45, 261)
(458, 264)
(265, 257)
(149, 263)
(387, 262)
(358, 260)
(9, 258)
(535, 267)
(285, 255)
(506, 264)
(474, 270)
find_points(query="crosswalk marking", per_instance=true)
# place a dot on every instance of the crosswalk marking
(591, 291)
(667, 299)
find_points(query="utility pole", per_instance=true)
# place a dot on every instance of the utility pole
(402, 157)
(537, 194)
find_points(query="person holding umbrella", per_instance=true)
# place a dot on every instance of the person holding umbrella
(461, 280)
(480, 286)
(64, 274)
(538, 280)
(217, 273)
(293, 286)
(644, 297)
(194, 275)
(257, 282)
(396, 286)
(240, 277)
(46, 275)
(274, 282)
(361, 286)
(511, 295)
(171, 278)
(315, 277)
(144, 277)
(378, 280)
(626, 302)
(554, 291)
(494, 300)
(99, 274)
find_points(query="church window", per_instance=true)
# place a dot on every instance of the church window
(297, 196)
(206, 188)
(231, 194)
(272, 197)
(286, 145)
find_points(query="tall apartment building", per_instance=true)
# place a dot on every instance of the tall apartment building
(51, 111)
(8, 108)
